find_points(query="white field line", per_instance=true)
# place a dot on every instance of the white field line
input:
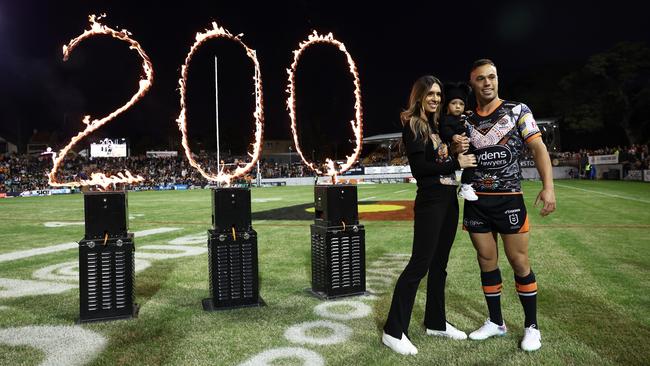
(61, 345)
(8, 257)
(367, 198)
(604, 194)
(62, 223)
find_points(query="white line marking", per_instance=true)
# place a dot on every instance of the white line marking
(191, 239)
(183, 251)
(604, 194)
(69, 271)
(62, 345)
(356, 310)
(268, 357)
(299, 333)
(159, 230)
(20, 288)
(8, 257)
(401, 190)
(264, 200)
(61, 223)
(367, 198)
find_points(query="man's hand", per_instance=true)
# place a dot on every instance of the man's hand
(543, 164)
(547, 197)
(460, 145)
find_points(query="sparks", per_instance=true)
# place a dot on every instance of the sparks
(97, 28)
(222, 177)
(357, 124)
(105, 181)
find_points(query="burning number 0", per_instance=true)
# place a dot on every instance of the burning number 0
(221, 177)
(357, 126)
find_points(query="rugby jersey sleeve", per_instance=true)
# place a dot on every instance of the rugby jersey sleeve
(526, 124)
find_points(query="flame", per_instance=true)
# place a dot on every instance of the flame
(357, 124)
(103, 180)
(97, 28)
(222, 177)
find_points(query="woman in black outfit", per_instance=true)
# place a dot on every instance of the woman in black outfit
(436, 217)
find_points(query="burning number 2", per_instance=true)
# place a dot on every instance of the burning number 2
(96, 28)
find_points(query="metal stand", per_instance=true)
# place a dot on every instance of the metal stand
(338, 260)
(106, 260)
(232, 252)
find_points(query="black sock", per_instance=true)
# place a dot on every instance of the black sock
(527, 290)
(491, 282)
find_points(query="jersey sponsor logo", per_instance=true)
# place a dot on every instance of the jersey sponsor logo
(494, 157)
(472, 223)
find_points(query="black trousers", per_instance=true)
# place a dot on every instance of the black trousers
(435, 224)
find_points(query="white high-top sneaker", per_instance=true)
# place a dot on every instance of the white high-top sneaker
(402, 346)
(450, 332)
(532, 339)
(488, 330)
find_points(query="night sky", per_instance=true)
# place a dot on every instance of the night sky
(391, 44)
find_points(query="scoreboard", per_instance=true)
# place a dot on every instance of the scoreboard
(108, 148)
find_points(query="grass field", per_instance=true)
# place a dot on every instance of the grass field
(591, 257)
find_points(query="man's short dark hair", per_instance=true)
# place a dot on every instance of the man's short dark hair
(480, 62)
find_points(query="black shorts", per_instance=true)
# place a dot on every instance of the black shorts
(504, 214)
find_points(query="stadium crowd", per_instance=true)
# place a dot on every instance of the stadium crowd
(24, 172)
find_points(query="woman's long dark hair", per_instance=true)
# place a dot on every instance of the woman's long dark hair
(415, 115)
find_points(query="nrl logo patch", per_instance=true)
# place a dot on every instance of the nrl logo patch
(513, 219)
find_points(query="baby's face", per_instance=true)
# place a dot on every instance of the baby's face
(456, 107)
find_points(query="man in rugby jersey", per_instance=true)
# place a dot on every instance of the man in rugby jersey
(499, 131)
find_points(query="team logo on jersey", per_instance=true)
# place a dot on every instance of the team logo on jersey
(494, 157)
(487, 181)
(504, 122)
(513, 219)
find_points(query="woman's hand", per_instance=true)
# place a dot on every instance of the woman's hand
(467, 160)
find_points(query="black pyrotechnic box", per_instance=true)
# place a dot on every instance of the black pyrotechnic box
(106, 259)
(232, 252)
(106, 213)
(338, 259)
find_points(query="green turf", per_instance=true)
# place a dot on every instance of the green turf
(591, 258)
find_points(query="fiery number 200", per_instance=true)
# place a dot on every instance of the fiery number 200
(97, 28)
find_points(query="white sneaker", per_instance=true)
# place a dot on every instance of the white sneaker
(532, 339)
(449, 332)
(467, 192)
(402, 346)
(488, 330)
